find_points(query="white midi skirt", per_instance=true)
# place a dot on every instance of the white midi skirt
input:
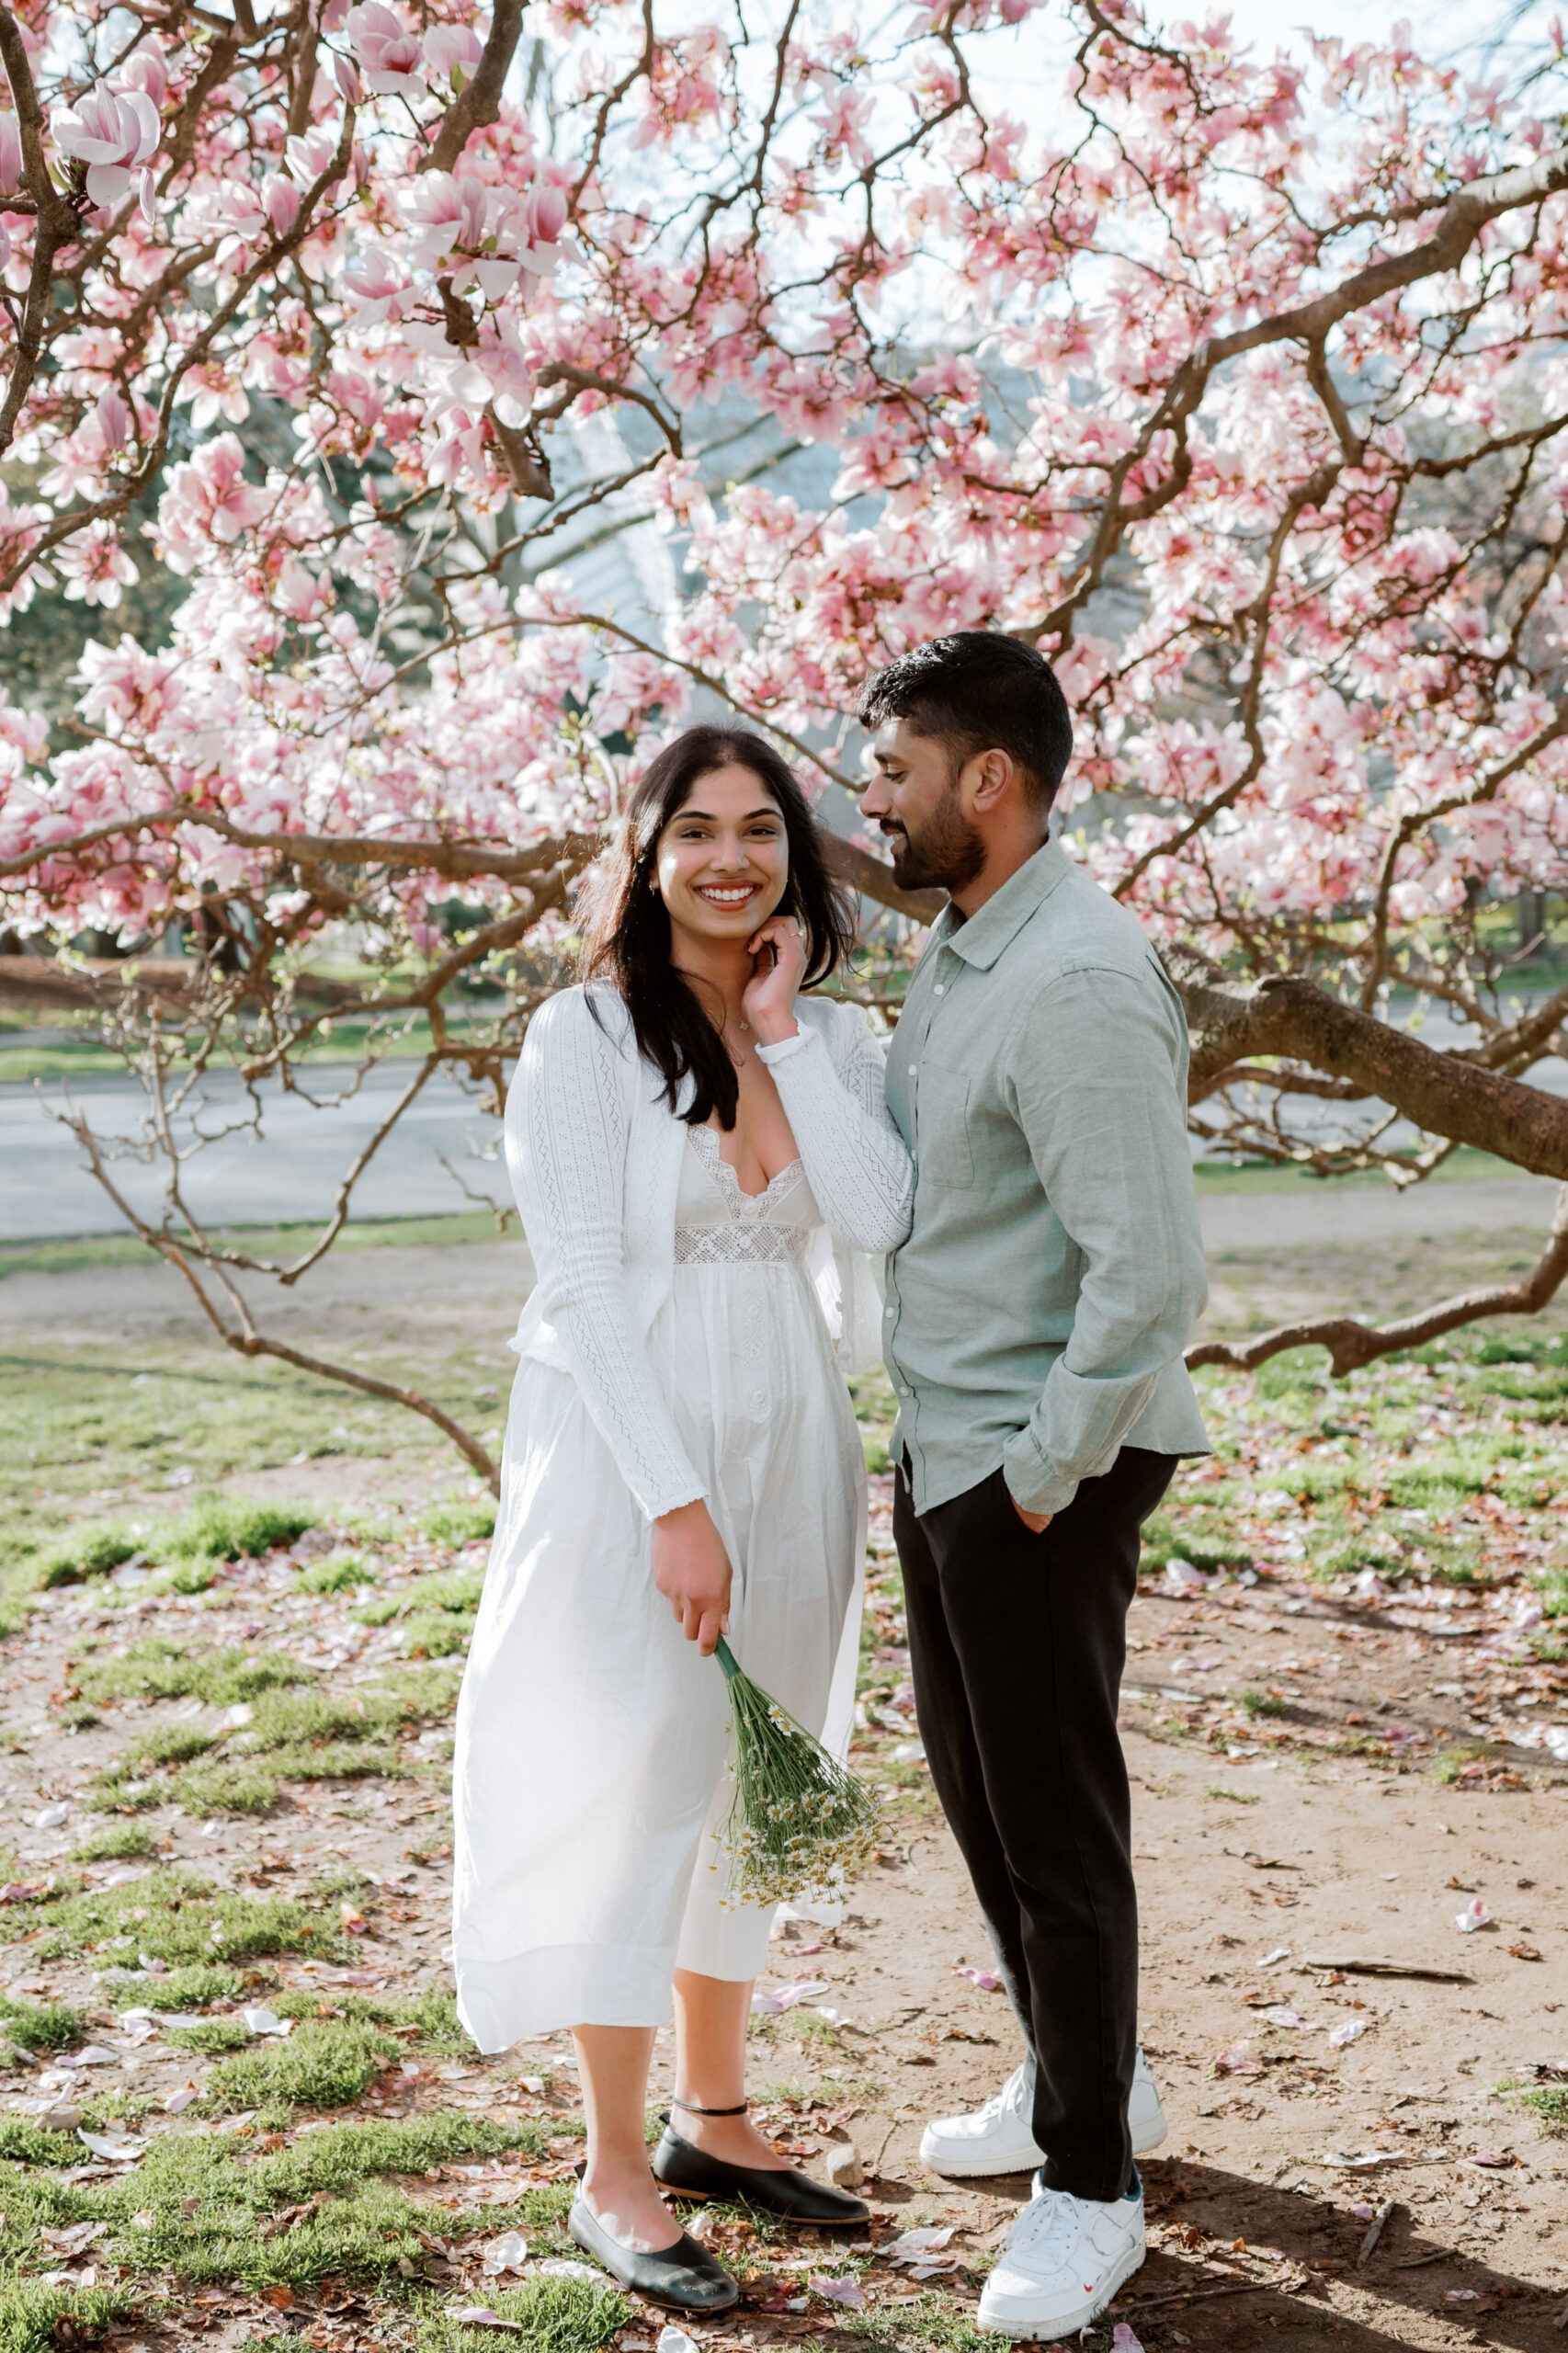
(591, 1736)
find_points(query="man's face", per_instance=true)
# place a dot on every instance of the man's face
(914, 797)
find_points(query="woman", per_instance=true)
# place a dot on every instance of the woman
(702, 1163)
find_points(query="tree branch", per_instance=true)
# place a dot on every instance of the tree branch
(1441, 1093)
(868, 875)
(479, 101)
(1351, 1345)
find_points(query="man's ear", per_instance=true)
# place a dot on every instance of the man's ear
(989, 776)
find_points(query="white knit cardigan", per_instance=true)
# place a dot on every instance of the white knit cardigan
(594, 1152)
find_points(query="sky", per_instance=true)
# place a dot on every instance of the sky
(1442, 26)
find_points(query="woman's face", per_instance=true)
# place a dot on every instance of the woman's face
(722, 863)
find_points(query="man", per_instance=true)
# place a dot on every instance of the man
(1036, 1319)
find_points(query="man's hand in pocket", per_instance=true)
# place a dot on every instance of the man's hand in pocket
(1037, 1522)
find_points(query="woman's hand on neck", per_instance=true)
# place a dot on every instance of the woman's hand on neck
(720, 971)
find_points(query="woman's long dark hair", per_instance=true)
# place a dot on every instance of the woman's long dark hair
(627, 927)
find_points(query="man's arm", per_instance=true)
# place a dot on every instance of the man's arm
(1096, 1068)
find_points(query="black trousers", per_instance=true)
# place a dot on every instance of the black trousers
(1016, 1643)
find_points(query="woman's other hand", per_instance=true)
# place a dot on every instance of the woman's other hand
(691, 1570)
(768, 998)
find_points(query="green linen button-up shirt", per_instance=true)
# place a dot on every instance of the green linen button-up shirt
(1037, 1315)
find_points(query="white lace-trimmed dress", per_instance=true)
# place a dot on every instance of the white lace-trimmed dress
(592, 1736)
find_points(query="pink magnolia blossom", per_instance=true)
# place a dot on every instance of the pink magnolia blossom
(453, 51)
(114, 417)
(389, 55)
(1289, 667)
(95, 567)
(146, 70)
(308, 155)
(280, 202)
(546, 213)
(211, 392)
(446, 213)
(207, 500)
(110, 131)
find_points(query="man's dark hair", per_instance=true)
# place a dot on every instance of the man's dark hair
(979, 691)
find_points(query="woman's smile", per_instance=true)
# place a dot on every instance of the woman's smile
(727, 894)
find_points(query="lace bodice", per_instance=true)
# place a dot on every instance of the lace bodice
(719, 1224)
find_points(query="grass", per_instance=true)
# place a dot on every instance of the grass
(116, 1842)
(178, 1989)
(123, 1793)
(437, 1612)
(296, 1719)
(81, 1429)
(358, 2221)
(212, 2036)
(336, 1573)
(232, 1787)
(227, 1527)
(158, 1668)
(458, 1524)
(38, 2318)
(70, 1253)
(41, 2026)
(192, 2211)
(1262, 1704)
(924, 2324)
(1455, 1762)
(555, 2316)
(92, 1552)
(24, 2143)
(1232, 1797)
(189, 1546)
(325, 2064)
(1548, 2103)
(294, 1733)
(169, 1745)
(178, 1917)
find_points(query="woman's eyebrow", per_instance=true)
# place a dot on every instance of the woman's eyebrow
(703, 817)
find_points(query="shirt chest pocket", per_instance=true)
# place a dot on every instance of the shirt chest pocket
(943, 1152)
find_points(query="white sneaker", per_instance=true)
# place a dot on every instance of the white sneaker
(999, 2137)
(1146, 2117)
(1061, 2263)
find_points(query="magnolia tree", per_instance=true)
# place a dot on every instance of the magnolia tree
(1235, 382)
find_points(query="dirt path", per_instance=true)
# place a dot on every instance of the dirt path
(1305, 2101)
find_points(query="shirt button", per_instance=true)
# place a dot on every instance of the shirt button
(902, 1390)
(913, 1069)
(939, 987)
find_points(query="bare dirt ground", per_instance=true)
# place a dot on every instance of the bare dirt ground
(1335, 1716)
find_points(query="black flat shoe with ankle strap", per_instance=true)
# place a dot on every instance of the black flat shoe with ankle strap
(684, 2275)
(679, 2164)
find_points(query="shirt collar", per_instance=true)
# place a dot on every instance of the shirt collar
(982, 939)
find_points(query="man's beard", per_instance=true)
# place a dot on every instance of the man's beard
(945, 855)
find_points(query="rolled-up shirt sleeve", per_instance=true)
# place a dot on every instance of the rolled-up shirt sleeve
(1095, 1072)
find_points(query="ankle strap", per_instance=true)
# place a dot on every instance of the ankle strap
(692, 2109)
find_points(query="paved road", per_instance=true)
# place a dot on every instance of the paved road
(294, 1171)
(490, 1280)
